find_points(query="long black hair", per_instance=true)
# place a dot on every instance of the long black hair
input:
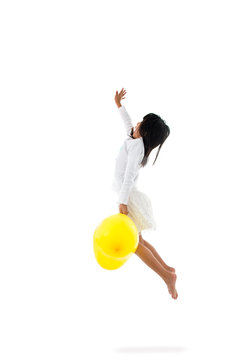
(154, 132)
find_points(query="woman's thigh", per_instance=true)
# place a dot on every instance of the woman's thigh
(140, 238)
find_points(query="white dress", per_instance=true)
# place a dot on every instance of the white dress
(126, 174)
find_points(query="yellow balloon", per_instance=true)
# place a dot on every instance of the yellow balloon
(114, 241)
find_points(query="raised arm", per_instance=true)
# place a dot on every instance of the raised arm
(123, 112)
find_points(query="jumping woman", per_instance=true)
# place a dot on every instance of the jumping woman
(151, 132)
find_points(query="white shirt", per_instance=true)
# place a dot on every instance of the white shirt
(128, 161)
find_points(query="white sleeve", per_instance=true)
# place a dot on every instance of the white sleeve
(126, 119)
(135, 156)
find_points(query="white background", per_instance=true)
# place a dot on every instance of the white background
(61, 64)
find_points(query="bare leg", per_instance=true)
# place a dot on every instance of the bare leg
(157, 256)
(147, 256)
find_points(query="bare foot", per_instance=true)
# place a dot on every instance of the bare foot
(170, 281)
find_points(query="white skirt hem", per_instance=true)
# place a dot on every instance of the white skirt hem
(140, 210)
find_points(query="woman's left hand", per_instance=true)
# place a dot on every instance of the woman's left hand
(123, 209)
(120, 96)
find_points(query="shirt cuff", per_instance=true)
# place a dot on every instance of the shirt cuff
(123, 197)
